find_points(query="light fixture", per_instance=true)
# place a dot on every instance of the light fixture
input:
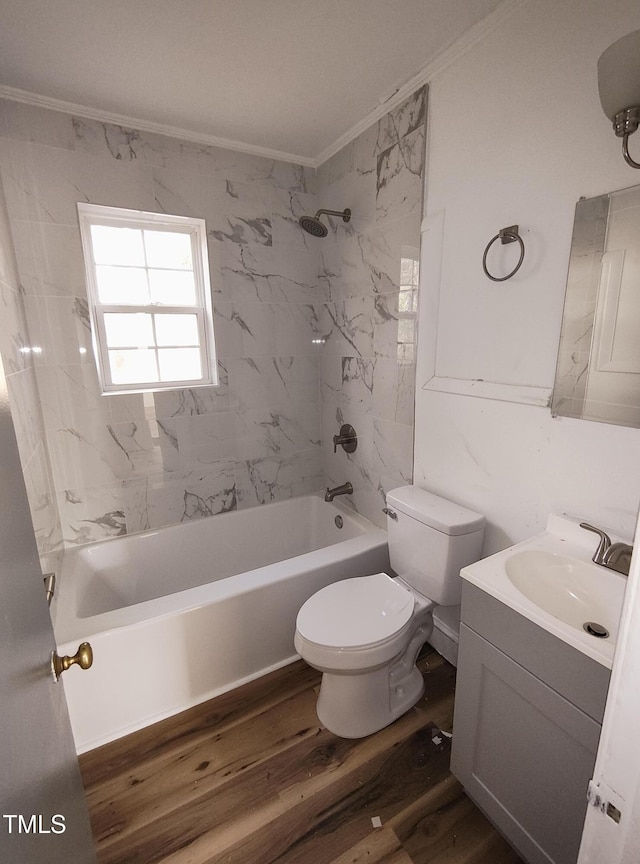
(619, 86)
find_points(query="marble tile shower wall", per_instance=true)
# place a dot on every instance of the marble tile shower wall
(369, 269)
(22, 388)
(127, 463)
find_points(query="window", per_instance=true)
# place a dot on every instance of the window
(408, 304)
(149, 299)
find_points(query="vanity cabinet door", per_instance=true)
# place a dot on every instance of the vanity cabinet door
(524, 753)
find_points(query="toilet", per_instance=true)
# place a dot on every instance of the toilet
(365, 633)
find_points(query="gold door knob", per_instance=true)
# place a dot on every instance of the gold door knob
(83, 657)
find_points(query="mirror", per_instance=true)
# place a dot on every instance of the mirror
(598, 370)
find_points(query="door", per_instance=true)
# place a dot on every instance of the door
(44, 815)
(613, 383)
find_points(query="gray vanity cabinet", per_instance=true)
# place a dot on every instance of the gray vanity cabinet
(526, 727)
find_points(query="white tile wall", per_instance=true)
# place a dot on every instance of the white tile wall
(306, 330)
(363, 381)
(23, 396)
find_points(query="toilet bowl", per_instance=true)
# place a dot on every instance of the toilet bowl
(357, 633)
(365, 633)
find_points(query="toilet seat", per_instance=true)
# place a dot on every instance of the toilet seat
(354, 623)
(356, 613)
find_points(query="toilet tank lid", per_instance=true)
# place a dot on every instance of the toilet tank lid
(434, 511)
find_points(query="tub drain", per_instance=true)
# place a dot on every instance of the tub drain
(596, 630)
(338, 521)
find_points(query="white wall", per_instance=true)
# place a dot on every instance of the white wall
(516, 136)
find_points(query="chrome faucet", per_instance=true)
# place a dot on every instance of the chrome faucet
(345, 489)
(615, 556)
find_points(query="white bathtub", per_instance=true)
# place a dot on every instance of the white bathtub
(179, 615)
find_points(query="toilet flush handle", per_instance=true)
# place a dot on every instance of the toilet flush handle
(390, 513)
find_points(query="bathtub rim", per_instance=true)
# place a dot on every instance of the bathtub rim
(68, 627)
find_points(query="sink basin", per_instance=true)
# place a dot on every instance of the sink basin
(551, 580)
(575, 592)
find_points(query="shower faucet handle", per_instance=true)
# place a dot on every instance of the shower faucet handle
(347, 439)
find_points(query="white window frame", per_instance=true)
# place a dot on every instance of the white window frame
(96, 214)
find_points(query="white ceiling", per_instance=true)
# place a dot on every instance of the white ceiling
(292, 76)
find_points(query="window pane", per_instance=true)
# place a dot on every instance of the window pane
(133, 367)
(177, 329)
(406, 330)
(173, 287)
(128, 329)
(406, 271)
(405, 301)
(409, 268)
(117, 245)
(168, 249)
(406, 354)
(179, 364)
(121, 285)
(149, 298)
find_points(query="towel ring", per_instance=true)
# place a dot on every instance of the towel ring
(505, 235)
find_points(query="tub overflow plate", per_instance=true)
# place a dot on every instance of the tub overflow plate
(594, 629)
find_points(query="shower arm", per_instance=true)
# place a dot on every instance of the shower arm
(343, 214)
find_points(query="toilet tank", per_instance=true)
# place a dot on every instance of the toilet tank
(430, 541)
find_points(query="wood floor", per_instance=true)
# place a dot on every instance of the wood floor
(251, 777)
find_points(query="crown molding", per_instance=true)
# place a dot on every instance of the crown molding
(427, 74)
(84, 111)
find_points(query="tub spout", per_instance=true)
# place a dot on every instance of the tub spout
(345, 489)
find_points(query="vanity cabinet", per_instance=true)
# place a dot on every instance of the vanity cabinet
(528, 714)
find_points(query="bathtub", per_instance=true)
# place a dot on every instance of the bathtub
(181, 614)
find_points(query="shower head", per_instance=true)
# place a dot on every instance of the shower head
(312, 224)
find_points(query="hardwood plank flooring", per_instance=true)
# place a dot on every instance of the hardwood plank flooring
(252, 777)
